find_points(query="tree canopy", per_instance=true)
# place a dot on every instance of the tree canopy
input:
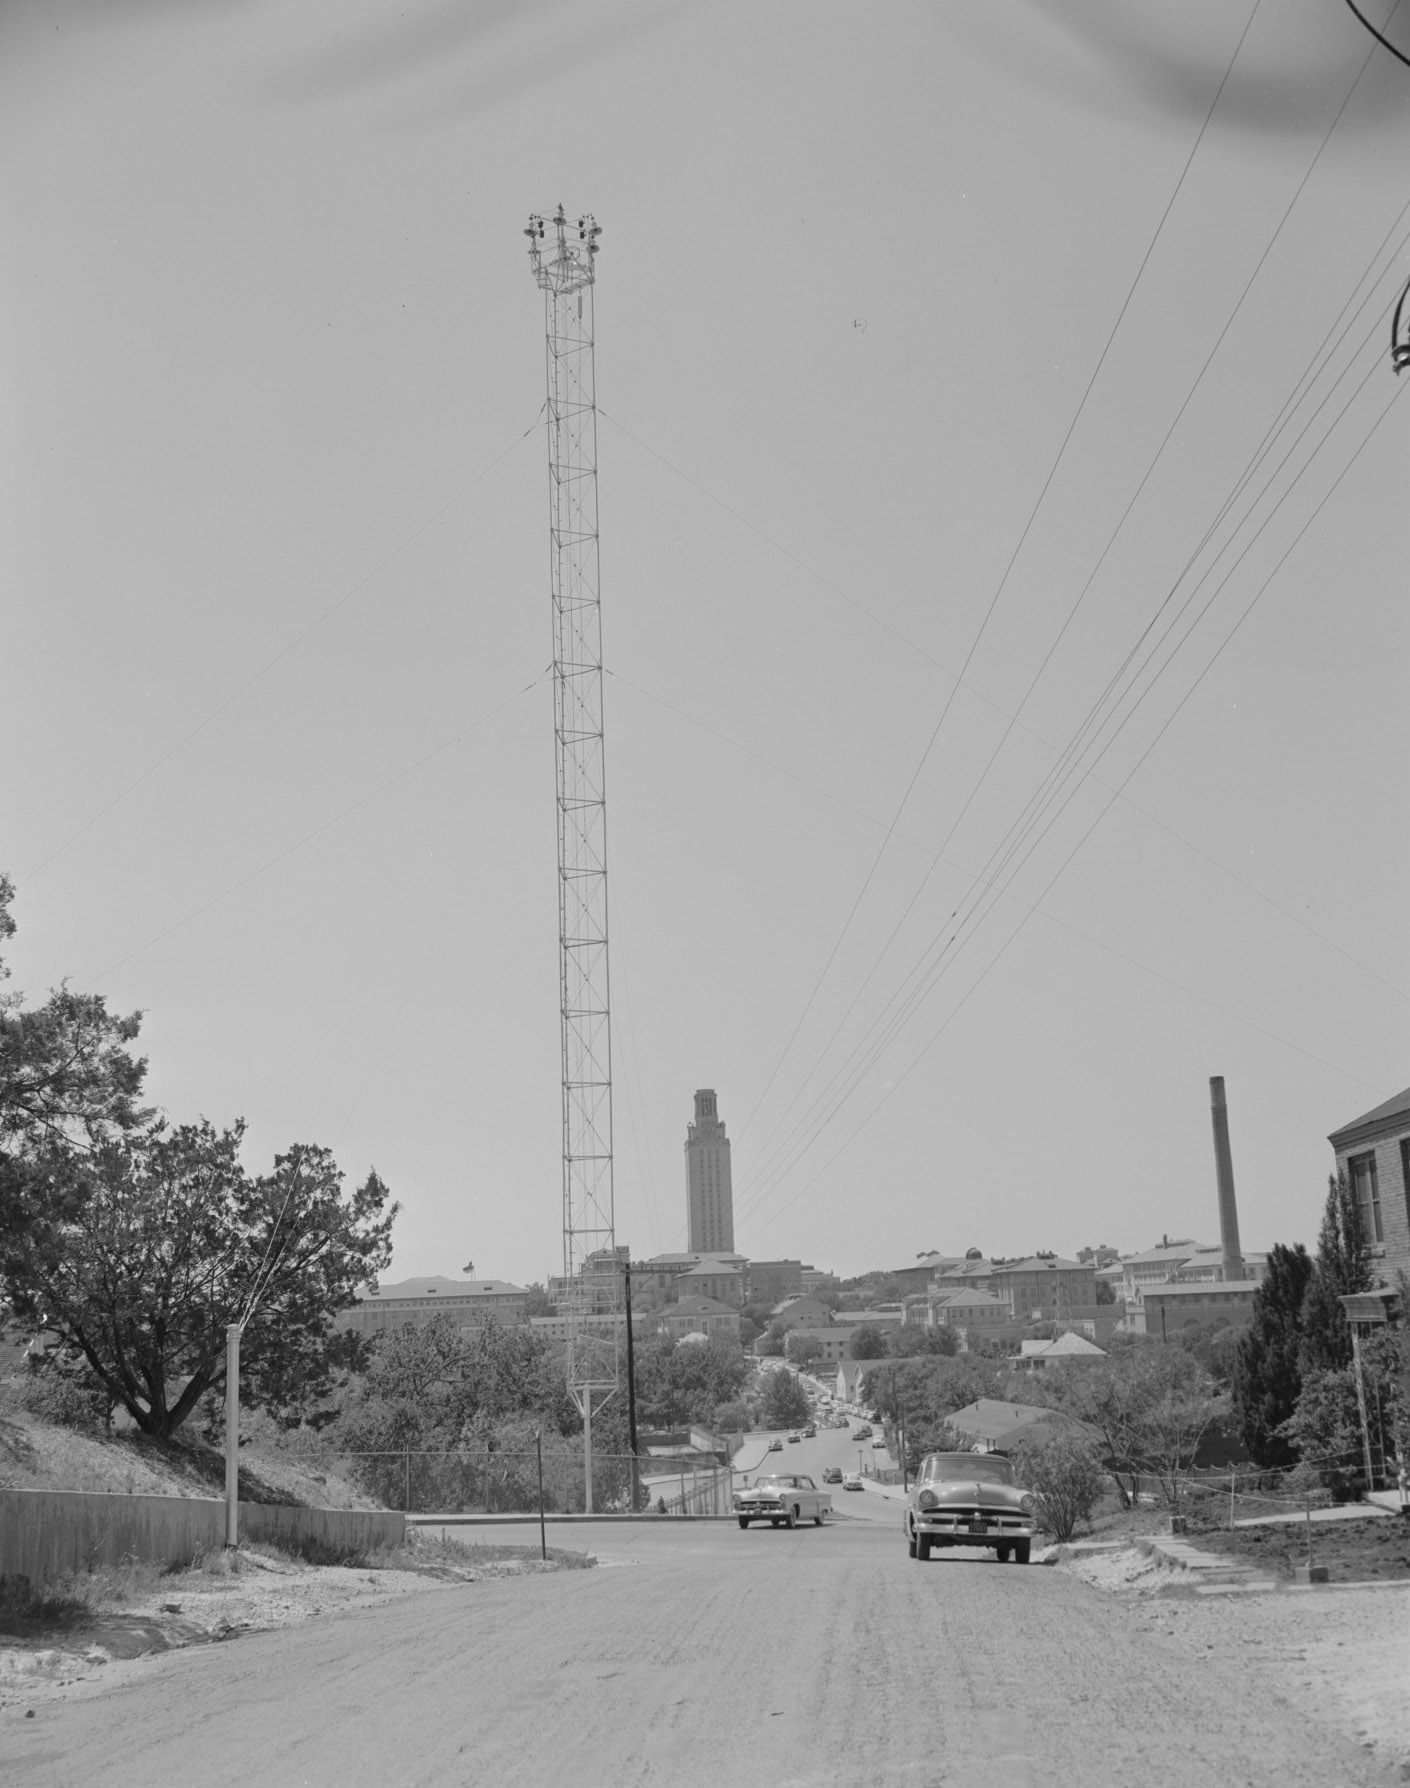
(1267, 1378)
(141, 1250)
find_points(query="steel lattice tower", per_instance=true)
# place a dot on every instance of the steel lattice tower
(563, 267)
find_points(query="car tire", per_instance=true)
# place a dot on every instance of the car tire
(743, 1521)
(1021, 1550)
(1002, 1554)
(817, 1520)
(791, 1518)
(922, 1547)
(911, 1544)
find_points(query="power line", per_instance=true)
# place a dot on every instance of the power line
(1019, 829)
(760, 1196)
(1001, 586)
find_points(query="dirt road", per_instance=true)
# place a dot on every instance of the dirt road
(702, 1655)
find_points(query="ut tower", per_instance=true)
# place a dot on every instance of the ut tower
(709, 1192)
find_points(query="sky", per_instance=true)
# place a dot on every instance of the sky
(1003, 543)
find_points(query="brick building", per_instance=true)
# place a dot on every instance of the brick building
(1373, 1151)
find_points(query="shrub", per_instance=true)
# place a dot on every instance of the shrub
(1066, 1479)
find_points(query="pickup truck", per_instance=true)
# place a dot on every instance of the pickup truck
(783, 1500)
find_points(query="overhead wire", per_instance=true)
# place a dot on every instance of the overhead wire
(759, 1195)
(1002, 585)
(1255, 461)
(1036, 905)
(924, 975)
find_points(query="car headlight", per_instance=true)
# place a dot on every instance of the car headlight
(927, 1499)
(1027, 1504)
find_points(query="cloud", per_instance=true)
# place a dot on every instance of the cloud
(1132, 57)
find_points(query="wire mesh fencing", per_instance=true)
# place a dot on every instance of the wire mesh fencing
(469, 1481)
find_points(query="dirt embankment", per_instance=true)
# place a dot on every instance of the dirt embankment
(82, 1636)
(1339, 1652)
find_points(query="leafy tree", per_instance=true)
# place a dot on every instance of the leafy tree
(1267, 1377)
(1066, 1479)
(1150, 1403)
(1343, 1266)
(908, 1341)
(868, 1343)
(784, 1403)
(142, 1249)
(773, 1344)
(66, 1077)
(1325, 1429)
(803, 1350)
(1106, 1292)
(682, 1382)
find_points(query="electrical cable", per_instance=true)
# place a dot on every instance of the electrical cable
(1269, 437)
(1257, 458)
(1382, 40)
(922, 986)
(1036, 905)
(1002, 584)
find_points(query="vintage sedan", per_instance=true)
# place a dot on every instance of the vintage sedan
(969, 1499)
(783, 1500)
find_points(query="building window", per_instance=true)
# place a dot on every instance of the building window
(1368, 1196)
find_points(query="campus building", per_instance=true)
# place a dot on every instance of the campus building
(709, 1190)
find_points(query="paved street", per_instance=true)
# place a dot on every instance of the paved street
(697, 1654)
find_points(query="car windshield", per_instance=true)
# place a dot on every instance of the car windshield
(782, 1484)
(984, 1468)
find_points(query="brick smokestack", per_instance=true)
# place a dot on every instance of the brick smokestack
(1224, 1168)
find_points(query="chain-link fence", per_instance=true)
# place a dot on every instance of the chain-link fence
(474, 1481)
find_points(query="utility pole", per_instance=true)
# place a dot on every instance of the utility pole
(631, 1386)
(561, 256)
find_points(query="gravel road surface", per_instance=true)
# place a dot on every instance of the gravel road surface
(698, 1654)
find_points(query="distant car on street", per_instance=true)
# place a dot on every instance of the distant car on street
(832, 1474)
(775, 1445)
(810, 1432)
(969, 1499)
(782, 1500)
(862, 1433)
(794, 1439)
(879, 1441)
(852, 1481)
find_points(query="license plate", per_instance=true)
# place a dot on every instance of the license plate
(979, 1527)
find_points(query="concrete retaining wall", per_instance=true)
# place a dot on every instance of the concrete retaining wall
(44, 1533)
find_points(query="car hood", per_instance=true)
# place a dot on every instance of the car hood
(970, 1493)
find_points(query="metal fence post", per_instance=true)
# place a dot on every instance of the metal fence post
(232, 1434)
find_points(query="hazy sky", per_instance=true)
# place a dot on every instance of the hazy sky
(901, 309)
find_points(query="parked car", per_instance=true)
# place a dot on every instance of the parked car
(852, 1481)
(783, 1500)
(969, 1499)
(832, 1474)
(862, 1433)
(810, 1432)
(879, 1441)
(775, 1445)
(793, 1439)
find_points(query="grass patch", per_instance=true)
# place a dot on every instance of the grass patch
(421, 1552)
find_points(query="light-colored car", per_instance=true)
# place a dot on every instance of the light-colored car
(969, 1499)
(783, 1500)
(852, 1481)
(775, 1445)
(878, 1442)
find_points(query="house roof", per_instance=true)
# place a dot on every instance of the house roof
(1168, 1251)
(996, 1422)
(699, 1305)
(1393, 1109)
(1036, 1263)
(438, 1286)
(1203, 1290)
(970, 1300)
(712, 1269)
(1065, 1346)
